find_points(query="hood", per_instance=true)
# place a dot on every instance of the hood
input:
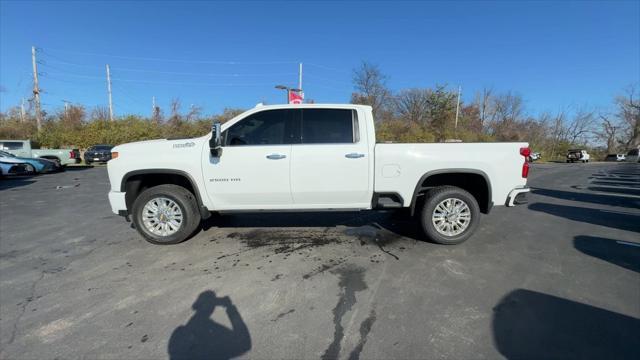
(160, 145)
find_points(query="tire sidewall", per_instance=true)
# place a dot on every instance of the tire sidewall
(180, 196)
(433, 198)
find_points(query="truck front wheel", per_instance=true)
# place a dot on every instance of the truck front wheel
(450, 215)
(166, 214)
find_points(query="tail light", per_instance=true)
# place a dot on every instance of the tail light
(72, 154)
(526, 152)
(114, 155)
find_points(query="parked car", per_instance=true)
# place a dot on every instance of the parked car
(22, 148)
(535, 156)
(577, 155)
(40, 165)
(9, 169)
(632, 155)
(250, 164)
(98, 153)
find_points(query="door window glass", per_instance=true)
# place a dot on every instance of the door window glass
(328, 126)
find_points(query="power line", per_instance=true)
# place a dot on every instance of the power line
(177, 60)
(166, 72)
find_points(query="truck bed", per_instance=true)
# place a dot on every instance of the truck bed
(397, 166)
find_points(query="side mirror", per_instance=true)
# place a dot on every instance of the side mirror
(215, 143)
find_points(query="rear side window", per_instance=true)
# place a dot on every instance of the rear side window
(632, 152)
(328, 126)
(11, 145)
(271, 127)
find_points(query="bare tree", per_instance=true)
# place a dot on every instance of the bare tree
(608, 132)
(100, 113)
(175, 119)
(483, 102)
(156, 117)
(580, 126)
(558, 131)
(629, 113)
(371, 86)
(194, 112)
(507, 110)
(413, 105)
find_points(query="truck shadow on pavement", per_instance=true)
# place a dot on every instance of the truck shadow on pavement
(532, 325)
(588, 197)
(613, 219)
(622, 253)
(203, 338)
(391, 224)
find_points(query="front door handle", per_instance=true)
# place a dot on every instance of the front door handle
(276, 156)
(354, 155)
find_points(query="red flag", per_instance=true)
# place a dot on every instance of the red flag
(296, 97)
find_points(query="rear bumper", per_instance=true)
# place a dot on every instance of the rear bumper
(518, 196)
(117, 201)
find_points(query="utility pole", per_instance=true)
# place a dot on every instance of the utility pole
(109, 91)
(22, 113)
(300, 77)
(66, 107)
(36, 89)
(458, 106)
(153, 106)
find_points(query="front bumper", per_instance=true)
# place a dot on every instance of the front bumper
(518, 196)
(117, 201)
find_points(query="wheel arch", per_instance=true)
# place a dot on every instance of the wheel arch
(482, 193)
(134, 182)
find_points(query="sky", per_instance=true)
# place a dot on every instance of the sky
(557, 55)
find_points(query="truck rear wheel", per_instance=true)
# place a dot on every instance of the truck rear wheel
(450, 215)
(166, 214)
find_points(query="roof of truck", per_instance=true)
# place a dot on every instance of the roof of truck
(296, 106)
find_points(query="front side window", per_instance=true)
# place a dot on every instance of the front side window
(269, 127)
(11, 145)
(328, 126)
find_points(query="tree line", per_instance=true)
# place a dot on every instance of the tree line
(428, 115)
(407, 115)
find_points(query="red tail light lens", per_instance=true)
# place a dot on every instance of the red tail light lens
(526, 152)
(72, 154)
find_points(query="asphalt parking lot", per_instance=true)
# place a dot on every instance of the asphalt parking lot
(557, 277)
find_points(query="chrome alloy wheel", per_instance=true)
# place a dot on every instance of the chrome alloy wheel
(162, 216)
(451, 217)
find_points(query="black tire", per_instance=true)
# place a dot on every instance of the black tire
(183, 198)
(436, 195)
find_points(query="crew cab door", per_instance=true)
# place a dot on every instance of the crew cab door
(330, 167)
(252, 171)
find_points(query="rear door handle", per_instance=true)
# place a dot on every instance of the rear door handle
(276, 156)
(354, 155)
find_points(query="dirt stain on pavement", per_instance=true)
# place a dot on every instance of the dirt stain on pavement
(365, 329)
(281, 315)
(351, 282)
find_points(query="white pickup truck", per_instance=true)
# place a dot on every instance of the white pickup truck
(311, 157)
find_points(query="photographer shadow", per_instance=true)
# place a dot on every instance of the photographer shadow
(203, 338)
